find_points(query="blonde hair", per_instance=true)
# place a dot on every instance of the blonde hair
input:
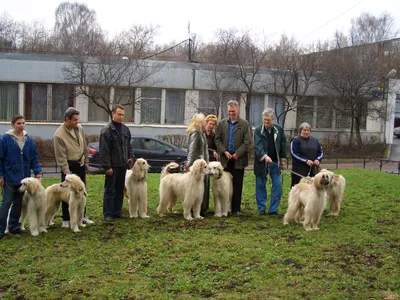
(212, 118)
(196, 123)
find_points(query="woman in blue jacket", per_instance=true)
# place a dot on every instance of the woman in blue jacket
(18, 156)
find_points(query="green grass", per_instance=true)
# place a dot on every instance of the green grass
(255, 257)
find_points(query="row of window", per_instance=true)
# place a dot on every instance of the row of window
(36, 105)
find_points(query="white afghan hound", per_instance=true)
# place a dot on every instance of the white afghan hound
(308, 200)
(186, 186)
(33, 205)
(71, 191)
(334, 192)
(136, 187)
(222, 189)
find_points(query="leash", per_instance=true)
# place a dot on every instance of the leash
(295, 173)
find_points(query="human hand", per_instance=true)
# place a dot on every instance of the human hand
(1, 181)
(130, 162)
(87, 167)
(215, 154)
(39, 176)
(235, 157)
(268, 159)
(109, 172)
(283, 164)
(316, 162)
(309, 163)
(228, 155)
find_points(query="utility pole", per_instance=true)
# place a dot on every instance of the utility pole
(190, 44)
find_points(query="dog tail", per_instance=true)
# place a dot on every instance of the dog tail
(165, 170)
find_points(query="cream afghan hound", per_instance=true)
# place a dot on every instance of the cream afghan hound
(334, 192)
(308, 200)
(186, 186)
(71, 191)
(33, 205)
(136, 187)
(222, 188)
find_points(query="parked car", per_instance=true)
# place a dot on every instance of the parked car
(397, 131)
(157, 153)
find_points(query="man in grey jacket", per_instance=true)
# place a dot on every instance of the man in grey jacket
(233, 138)
(116, 155)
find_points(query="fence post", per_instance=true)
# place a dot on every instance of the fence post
(365, 162)
(380, 166)
(337, 163)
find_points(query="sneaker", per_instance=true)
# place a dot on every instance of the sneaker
(85, 220)
(109, 219)
(261, 212)
(65, 224)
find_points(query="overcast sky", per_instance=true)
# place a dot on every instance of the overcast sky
(306, 20)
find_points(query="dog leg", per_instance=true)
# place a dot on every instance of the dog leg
(73, 213)
(143, 207)
(197, 208)
(41, 220)
(33, 219)
(307, 220)
(24, 214)
(187, 214)
(132, 205)
(218, 207)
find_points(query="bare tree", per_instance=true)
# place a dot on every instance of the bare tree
(355, 71)
(118, 64)
(9, 32)
(245, 58)
(292, 71)
(76, 29)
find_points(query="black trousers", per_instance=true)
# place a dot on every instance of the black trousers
(114, 193)
(206, 197)
(74, 168)
(237, 180)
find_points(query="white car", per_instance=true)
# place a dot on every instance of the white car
(396, 131)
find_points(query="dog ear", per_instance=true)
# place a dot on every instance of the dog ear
(32, 188)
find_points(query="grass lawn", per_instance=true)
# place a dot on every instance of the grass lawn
(354, 256)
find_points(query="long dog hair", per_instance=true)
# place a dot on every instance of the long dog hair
(222, 189)
(136, 187)
(33, 205)
(186, 186)
(308, 200)
(334, 192)
(71, 191)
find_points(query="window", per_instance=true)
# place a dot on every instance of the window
(305, 111)
(126, 97)
(175, 107)
(62, 98)
(256, 109)
(150, 107)
(8, 100)
(208, 102)
(101, 97)
(35, 102)
(324, 113)
(278, 105)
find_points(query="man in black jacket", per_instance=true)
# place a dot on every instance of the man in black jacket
(116, 154)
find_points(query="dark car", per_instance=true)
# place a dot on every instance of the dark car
(157, 153)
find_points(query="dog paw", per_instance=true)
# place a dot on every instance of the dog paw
(145, 217)
(218, 215)
(51, 223)
(35, 233)
(199, 218)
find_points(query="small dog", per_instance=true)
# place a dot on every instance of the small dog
(71, 191)
(222, 188)
(308, 200)
(136, 187)
(334, 192)
(187, 186)
(33, 205)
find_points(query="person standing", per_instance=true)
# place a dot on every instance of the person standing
(211, 123)
(116, 155)
(198, 149)
(70, 149)
(306, 154)
(18, 156)
(233, 138)
(269, 156)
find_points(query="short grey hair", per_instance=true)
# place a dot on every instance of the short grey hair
(233, 103)
(268, 112)
(70, 112)
(304, 125)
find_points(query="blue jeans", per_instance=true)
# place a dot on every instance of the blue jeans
(11, 198)
(276, 191)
